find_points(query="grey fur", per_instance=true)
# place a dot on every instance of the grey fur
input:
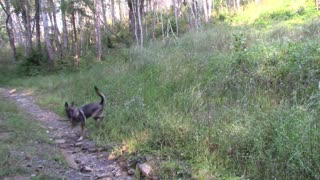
(81, 114)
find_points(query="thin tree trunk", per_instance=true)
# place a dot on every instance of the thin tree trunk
(104, 17)
(46, 32)
(120, 10)
(238, 5)
(113, 13)
(191, 17)
(135, 23)
(19, 31)
(195, 13)
(75, 38)
(98, 30)
(176, 15)
(28, 27)
(132, 19)
(140, 22)
(56, 30)
(81, 34)
(162, 26)
(64, 28)
(9, 26)
(154, 21)
(37, 18)
(135, 10)
(205, 10)
(27, 24)
(210, 7)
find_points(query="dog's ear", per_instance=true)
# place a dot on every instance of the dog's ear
(66, 105)
(72, 104)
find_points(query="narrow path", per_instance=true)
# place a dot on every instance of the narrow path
(85, 159)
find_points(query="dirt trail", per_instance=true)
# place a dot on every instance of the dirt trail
(85, 159)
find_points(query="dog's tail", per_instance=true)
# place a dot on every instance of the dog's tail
(103, 98)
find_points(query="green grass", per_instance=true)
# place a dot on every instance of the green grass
(226, 102)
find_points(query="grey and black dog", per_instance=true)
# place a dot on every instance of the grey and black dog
(80, 115)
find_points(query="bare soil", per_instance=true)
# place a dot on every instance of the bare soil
(85, 160)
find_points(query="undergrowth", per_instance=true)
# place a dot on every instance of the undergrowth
(230, 101)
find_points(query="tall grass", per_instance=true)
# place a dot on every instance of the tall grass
(227, 102)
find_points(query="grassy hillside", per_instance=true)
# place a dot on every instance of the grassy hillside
(238, 99)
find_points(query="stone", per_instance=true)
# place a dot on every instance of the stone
(145, 169)
(104, 175)
(149, 158)
(117, 173)
(92, 150)
(78, 144)
(131, 172)
(85, 147)
(111, 157)
(86, 169)
(60, 141)
(78, 161)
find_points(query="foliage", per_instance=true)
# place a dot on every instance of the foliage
(230, 101)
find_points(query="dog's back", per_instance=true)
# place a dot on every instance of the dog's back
(92, 109)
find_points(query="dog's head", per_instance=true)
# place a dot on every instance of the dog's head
(72, 113)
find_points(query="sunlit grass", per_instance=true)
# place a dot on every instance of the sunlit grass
(227, 102)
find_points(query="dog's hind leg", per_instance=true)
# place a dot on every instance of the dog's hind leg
(98, 120)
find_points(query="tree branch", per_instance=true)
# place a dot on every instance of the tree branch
(115, 34)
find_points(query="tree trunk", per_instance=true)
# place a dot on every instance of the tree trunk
(37, 18)
(104, 17)
(155, 19)
(120, 10)
(46, 32)
(162, 26)
(134, 8)
(140, 21)
(56, 30)
(238, 5)
(210, 7)
(135, 23)
(64, 26)
(81, 34)
(191, 17)
(205, 10)
(9, 29)
(75, 38)
(25, 7)
(317, 4)
(113, 13)
(19, 30)
(98, 30)
(176, 6)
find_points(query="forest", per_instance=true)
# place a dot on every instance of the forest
(195, 89)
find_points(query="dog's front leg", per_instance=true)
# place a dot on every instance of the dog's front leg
(83, 123)
(82, 131)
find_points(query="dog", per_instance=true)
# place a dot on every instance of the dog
(80, 115)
